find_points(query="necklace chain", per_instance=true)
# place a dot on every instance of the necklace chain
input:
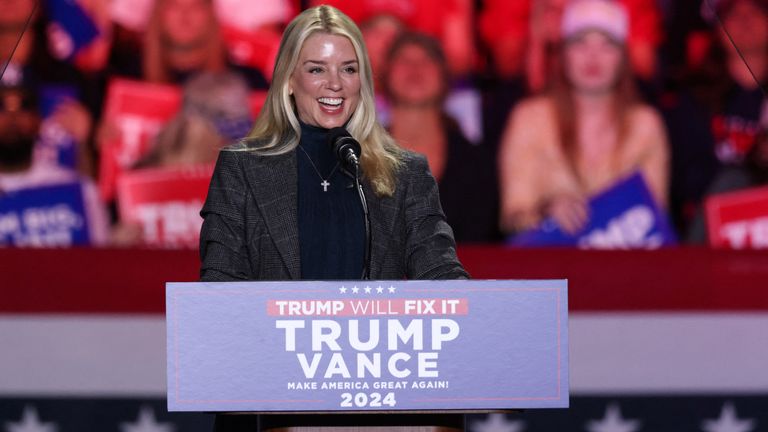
(324, 182)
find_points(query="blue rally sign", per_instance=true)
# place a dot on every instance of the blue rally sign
(625, 216)
(367, 346)
(70, 28)
(46, 216)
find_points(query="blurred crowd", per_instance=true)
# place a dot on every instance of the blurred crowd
(525, 109)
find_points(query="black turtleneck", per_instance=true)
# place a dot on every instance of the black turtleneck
(331, 226)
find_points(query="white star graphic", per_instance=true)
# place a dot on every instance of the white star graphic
(497, 422)
(30, 422)
(343, 290)
(367, 290)
(613, 422)
(355, 289)
(392, 289)
(146, 422)
(379, 290)
(728, 422)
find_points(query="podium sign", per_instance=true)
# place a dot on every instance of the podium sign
(367, 346)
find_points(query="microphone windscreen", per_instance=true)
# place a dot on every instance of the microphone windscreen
(339, 139)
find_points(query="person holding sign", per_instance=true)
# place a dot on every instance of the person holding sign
(586, 133)
(753, 174)
(41, 204)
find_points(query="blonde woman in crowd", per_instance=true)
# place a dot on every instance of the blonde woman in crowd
(183, 38)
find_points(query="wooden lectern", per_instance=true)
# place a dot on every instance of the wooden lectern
(400, 356)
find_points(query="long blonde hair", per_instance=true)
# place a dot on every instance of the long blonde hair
(277, 130)
(156, 47)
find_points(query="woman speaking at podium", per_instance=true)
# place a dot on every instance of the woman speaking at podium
(285, 203)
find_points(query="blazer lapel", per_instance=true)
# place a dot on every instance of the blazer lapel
(274, 185)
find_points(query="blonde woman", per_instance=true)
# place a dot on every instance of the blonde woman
(281, 207)
(183, 38)
(587, 132)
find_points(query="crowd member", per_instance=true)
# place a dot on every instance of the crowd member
(182, 37)
(714, 122)
(250, 31)
(752, 173)
(215, 111)
(521, 34)
(19, 130)
(381, 24)
(416, 82)
(450, 22)
(34, 68)
(521, 38)
(586, 133)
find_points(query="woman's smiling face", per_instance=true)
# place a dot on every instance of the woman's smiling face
(326, 81)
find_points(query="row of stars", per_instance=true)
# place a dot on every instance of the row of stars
(614, 421)
(367, 290)
(30, 422)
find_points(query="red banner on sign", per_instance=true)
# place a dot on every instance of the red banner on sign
(135, 111)
(738, 220)
(166, 204)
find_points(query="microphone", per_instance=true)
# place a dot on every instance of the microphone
(346, 148)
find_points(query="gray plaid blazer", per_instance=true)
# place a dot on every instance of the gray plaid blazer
(250, 228)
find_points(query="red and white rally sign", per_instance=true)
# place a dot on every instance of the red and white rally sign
(136, 111)
(166, 203)
(738, 220)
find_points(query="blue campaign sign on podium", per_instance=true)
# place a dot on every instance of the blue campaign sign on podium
(367, 346)
(623, 216)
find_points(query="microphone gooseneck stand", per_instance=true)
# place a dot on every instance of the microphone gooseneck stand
(364, 203)
(351, 159)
